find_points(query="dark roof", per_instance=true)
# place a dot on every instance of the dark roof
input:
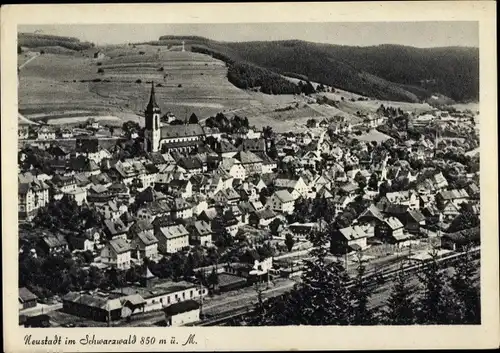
(175, 131)
(54, 240)
(87, 145)
(253, 145)
(416, 215)
(181, 307)
(190, 163)
(394, 209)
(152, 105)
(156, 158)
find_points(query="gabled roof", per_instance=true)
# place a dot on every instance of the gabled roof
(54, 240)
(372, 211)
(172, 232)
(353, 233)
(284, 196)
(203, 228)
(26, 295)
(394, 223)
(177, 131)
(119, 245)
(247, 157)
(147, 237)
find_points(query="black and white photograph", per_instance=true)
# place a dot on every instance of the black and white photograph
(249, 174)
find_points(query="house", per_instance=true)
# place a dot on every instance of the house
(340, 202)
(26, 299)
(81, 243)
(32, 195)
(116, 253)
(455, 196)
(227, 196)
(96, 306)
(145, 245)
(302, 231)
(172, 238)
(180, 314)
(45, 133)
(392, 231)
(53, 243)
(473, 191)
(439, 181)
(115, 228)
(192, 166)
(350, 189)
(253, 145)
(409, 198)
(347, 239)
(182, 188)
(297, 187)
(262, 218)
(414, 221)
(449, 209)
(250, 161)
(234, 168)
(371, 215)
(282, 201)
(180, 208)
(91, 148)
(201, 233)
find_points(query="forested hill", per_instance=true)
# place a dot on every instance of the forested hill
(389, 72)
(38, 40)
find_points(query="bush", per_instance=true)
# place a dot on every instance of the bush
(99, 64)
(100, 70)
(179, 85)
(141, 53)
(138, 80)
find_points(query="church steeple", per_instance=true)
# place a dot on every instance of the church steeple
(152, 105)
(152, 134)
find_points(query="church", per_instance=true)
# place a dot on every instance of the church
(166, 138)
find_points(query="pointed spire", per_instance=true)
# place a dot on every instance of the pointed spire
(152, 99)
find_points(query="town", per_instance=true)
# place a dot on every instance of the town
(179, 222)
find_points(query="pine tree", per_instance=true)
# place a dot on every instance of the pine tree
(467, 294)
(324, 293)
(433, 303)
(401, 306)
(361, 293)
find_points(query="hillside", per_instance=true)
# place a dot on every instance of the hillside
(388, 72)
(42, 41)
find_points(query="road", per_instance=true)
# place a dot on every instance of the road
(29, 60)
(41, 309)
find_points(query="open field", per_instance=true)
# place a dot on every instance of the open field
(62, 84)
(373, 135)
(64, 89)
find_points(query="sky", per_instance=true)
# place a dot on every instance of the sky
(417, 34)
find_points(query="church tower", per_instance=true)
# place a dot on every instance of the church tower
(152, 131)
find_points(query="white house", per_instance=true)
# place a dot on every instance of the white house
(116, 253)
(282, 201)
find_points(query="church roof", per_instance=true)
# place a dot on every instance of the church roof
(152, 105)
(176, 131)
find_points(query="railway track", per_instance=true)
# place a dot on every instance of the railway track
(373, 280)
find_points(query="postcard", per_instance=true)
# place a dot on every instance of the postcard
(280, 176)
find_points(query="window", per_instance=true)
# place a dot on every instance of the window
(183, 295)
(191, 293)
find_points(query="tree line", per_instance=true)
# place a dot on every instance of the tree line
(327, 295)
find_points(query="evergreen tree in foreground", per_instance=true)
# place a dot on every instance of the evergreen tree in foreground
(361, 292)
(467, 294)
(437, 304)
(401, 306)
